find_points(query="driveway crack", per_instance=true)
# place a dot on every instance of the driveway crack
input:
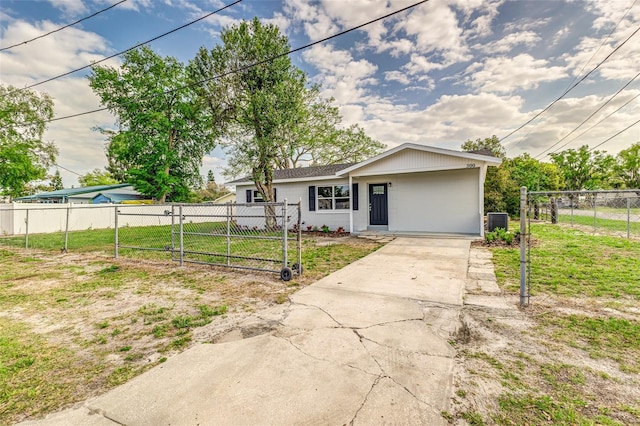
(366, 398)
(320, 309)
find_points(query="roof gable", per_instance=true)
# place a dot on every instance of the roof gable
(408, 158)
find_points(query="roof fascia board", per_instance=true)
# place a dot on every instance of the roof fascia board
(419, 170)
(293, 180)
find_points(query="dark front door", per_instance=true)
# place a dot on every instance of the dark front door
(378, 212)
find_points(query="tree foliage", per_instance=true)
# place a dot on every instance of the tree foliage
(492, 144)
(24, 155)
(627, 168)
(97, 177)
(583, 169)
(56, 181)
(271, 118)
(163, 134)
(254, 102)
(502, 184)
(317, 138)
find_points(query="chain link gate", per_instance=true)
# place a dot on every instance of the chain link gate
(603, 212)
(251, 236)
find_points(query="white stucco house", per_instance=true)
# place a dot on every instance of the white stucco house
(410, 188)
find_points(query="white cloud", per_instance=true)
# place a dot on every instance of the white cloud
(70, 7)
(342, 76)
(569, 113)
(508, 74)
(509, 42)
(397, 76)
(279, 20)
(80, 149)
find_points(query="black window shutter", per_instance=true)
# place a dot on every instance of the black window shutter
(275, 196)
(249, 195)
(354, 195)
(312, 198)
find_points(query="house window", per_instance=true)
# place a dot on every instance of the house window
(257, 197)
(333, 197)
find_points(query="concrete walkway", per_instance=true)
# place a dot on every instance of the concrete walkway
(368, 344)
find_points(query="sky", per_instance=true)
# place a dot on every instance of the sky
(438, 74)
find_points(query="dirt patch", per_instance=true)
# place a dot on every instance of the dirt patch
(513, 367)
(113, 319)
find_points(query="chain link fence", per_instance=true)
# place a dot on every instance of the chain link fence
(606, 212)
(255, 236)
(56, 226)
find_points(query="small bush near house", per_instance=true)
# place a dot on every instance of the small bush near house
(502, 237)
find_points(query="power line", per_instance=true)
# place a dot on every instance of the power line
(62, 28)
(609, 138)
(599, 122)
(603, 42)
(590, 59)
(590, 116)
(131, 48)
(252, 65)
(69, 170)
(573, 86)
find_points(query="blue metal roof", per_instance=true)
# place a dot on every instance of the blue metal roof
(66, 193)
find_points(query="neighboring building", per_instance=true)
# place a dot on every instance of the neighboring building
(410, 188)
(226, 198)
(86, 195)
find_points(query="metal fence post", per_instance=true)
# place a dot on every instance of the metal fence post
(173, 231)
(181, 237)
(628, 218)
(523, 247)
(228, 234)
(66, 231)
(595, 212)
(26, 231)
(115, 238)
(284, 233)
(299, 237)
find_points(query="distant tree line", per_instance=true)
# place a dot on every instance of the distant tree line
(572, 169)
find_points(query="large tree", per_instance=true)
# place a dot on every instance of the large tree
(163, 134)
(584, 169)
(259, 93)
(97, 177)
(491, 144)
(627, 168)
(317, 137)
(24, 155)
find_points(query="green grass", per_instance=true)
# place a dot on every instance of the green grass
(570, 262)
(583, 272)
(616, 225)
(80, 298)
(35, 375)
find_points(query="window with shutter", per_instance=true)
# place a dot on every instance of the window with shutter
(312, 198)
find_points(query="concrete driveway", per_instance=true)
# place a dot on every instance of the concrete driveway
(368, 344)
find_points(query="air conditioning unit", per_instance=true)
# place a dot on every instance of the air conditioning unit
(497, 220)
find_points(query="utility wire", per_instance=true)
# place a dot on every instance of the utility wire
(246, 67)
(598, 123)
(131, 48)
(69, 170)
(62, 28)
(609, 138)
(590, 116)
(572, 86)
(587, 63)
(603, 42)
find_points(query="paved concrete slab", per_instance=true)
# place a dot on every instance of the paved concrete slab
(366, 345)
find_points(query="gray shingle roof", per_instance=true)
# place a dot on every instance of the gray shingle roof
(301, 172)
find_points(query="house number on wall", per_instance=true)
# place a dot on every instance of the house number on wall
(471, 165)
